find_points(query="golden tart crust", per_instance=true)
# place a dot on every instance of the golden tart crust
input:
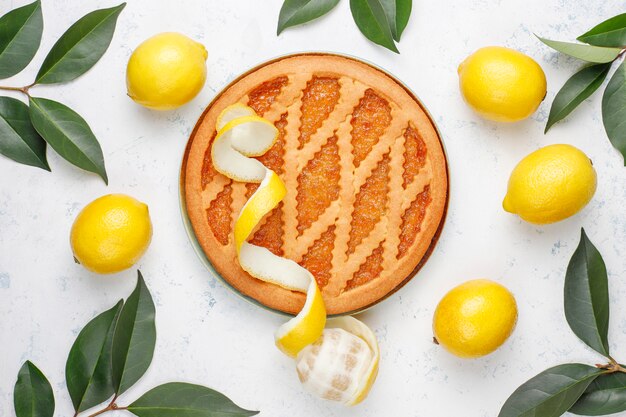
(365, 171)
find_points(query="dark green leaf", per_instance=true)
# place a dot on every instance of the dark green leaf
(88, 367)
(580, 86)
(297, 12)
(587, 296)
(68, 134)
(614, 109)
(398, 13)
(589, 53)
(611, 32)
(605, 395)
(33, 395)
(80, 47)
(135, 338)
(20, 36)
(18, 138)
(551, 393)
(177, 399)
(370, 17)
(403, 14)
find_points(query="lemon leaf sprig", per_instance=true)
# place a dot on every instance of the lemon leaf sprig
(110, 354)
(604, 45)
(578, 388)
(380, 21)
(25, 131)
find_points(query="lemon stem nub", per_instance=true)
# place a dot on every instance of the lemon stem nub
(506, 204)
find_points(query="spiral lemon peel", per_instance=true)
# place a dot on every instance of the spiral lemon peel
(242, 134)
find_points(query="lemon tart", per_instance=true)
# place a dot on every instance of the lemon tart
(365, 173)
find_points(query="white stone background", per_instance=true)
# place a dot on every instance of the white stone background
(207, 334)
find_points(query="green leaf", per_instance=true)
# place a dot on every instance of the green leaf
(551, 393)
(68, 134)
(32, 396)
(589, 53)
(578, 88)
(80, 47)
(177, 399)
(135, 338)
(587, 296)
(20, 37)
(370, 17)
(88, 366)
(297, 12)
(614, 109)
(611, 32)
(398, 13)
(18, 138)
(605, 395)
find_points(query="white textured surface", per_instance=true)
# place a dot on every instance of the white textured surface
(208, 335)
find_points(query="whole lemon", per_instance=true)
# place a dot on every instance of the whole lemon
(551, 184)
(166, 71)
(502, 84)
(475, 318)
(111, 233)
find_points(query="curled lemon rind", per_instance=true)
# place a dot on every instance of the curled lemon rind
(242, 135)
(270, 192)
(232, 112)
(239, 139)
(307, 326)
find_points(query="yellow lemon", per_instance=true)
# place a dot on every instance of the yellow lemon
(475, 318)
(166, 71)
(342, 364)
(551, 184)
(502, 84)
(111, 233)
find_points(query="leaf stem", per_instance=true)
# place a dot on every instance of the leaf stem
(616, 367)
(111, 407)
(104, 410)
(612, 367)
(23, 90)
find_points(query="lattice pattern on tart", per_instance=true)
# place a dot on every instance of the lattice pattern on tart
(361, 179)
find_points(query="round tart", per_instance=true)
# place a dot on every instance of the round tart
(366, 178)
